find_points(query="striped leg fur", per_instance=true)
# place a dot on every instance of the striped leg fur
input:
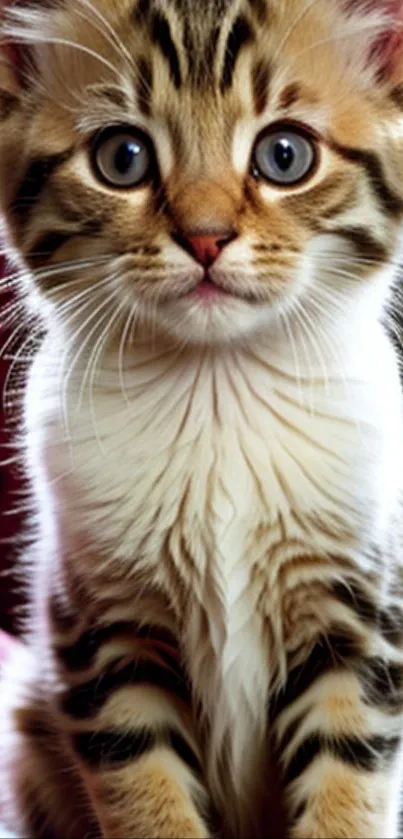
(106, 747)
(42, 795)
(127, 713)
(338, 727)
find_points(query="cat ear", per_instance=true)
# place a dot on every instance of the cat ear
(388, 48)
(385, 46)
(16, 57)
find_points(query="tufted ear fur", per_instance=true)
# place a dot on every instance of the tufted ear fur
(17, 54)
(10, 82)
(385, 45)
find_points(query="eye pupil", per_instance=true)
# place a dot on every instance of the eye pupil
(284, 154)
(124, 156)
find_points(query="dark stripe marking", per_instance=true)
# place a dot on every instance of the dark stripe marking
(391, 625)
(391, 202)
(113, 747)
(87, 699)
(141, 11)
(46, 247)
(34, 183)
(329, 653)
(61, 615)
(299, 810)
(175, 127)
(35, 816)
(304, 756)
(144, 86)
(383, 683)
(260, 85)
(8, 104)
(161, 35)
(183, 750)
(322, 198)
(80, 655)
(289, 734)
(260, 9)
(289, 96)
(34, 726)
(113, 95)
(397, 96)
(188, 42)
(211, 46)
(346, 203)
(365, 755)
(350, 594)
(40, 4)
(240, 35)
(364, 242)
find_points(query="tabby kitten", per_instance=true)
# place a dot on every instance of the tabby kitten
(205, 200)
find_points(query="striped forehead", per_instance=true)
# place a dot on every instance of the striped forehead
(200, 41)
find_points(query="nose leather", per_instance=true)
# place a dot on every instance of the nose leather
(207, 248)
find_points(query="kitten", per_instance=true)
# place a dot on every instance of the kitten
(206, 200)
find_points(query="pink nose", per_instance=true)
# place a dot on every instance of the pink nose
(207, 248)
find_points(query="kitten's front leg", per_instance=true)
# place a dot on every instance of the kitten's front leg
(337, 726)
(126, 714)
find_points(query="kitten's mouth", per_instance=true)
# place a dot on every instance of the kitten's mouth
(206, 290)
(210, 291)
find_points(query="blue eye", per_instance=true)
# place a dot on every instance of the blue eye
(285, 156)
(123, 157)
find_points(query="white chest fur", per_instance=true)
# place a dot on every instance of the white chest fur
(218, 467)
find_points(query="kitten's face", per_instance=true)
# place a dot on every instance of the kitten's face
(224, 160)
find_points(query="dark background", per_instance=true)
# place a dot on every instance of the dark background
(11, 479)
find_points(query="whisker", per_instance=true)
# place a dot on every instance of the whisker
(9, 311)
(48, 271)
(355, 260)
(334, 297)
(318, 305)
(376, 28)
(301, 314)
(17, 29)
(32, 338)
(294, 25)
(125, 334)
(29, 341)
(352, 279)
(109, 32)
(77, 354)
(354, 26)
(71, 302)
(95, 348)
(285, 318)
(92, 366)
(11, 338)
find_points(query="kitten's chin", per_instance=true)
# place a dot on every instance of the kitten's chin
(224, 321)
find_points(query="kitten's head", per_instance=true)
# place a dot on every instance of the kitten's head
(202, 168)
